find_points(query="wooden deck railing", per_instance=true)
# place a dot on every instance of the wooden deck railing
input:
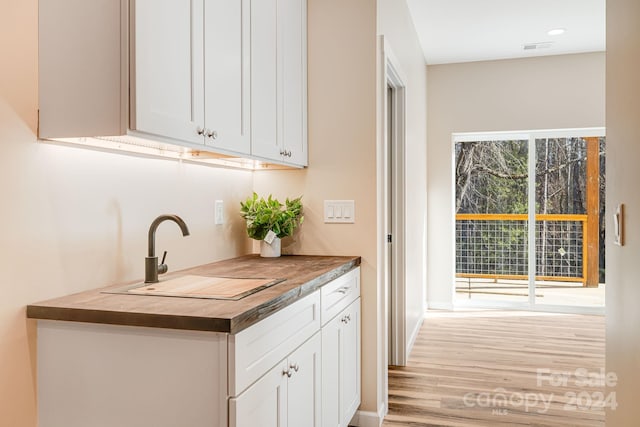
(498, 242)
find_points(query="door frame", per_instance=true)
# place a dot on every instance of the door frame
(394, 202)
(530, 136)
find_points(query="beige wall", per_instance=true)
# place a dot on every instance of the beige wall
(75, 219)
(395, 23)
(552, 92)
(623, 176)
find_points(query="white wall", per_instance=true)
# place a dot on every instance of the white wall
(395, 23)
(552, 92)
(623, 176)
(75, 219)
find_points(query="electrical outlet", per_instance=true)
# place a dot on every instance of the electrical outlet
(219, 214)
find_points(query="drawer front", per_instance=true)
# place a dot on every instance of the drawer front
(338, 294)
(257, 349)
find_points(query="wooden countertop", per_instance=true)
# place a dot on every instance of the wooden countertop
(304, 274)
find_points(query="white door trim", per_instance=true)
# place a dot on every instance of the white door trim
(394, 179)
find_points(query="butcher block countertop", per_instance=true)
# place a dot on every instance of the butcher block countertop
(303, 274)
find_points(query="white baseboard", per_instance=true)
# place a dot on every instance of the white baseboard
(369, 419)
(414, 335)
(439, 305)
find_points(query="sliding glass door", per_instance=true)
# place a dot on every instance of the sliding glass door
(529, 225)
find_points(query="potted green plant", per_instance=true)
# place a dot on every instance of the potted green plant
(270, 220)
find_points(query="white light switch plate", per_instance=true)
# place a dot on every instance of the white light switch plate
(339, 211)
(219, 208)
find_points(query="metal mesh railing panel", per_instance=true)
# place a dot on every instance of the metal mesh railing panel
(491, 247)
(499, 247)
(559, 248)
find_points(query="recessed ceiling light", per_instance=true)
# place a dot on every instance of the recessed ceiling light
(556, 31)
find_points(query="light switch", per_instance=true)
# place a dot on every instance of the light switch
(339, 211)
(219, 212)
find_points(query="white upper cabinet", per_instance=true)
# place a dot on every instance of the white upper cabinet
(227, 76)
(167, 60)
(227, 55)
(278, 80)
(190, 79)
(293, 80)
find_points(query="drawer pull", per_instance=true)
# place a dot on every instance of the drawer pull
(343, 290)
(294, 366)
(287, 372)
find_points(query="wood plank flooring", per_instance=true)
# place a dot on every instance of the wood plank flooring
(499, 369)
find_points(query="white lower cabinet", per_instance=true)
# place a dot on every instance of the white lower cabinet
(287, 395)
(278, 376)
(341, 367)
(290, 369)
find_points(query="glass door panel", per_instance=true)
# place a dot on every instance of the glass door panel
(491, 185)
(569, 195)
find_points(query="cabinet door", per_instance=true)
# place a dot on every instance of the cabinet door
(304, 388)
(167, 59)
(264, 78)
(279, 80)
(350, 363)
(341, 367)
(264, 403)
(287, 395)
(331, 333)
(292, 78)
(227, 56)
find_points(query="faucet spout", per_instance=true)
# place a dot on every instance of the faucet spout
(151, 266)
(154, 226)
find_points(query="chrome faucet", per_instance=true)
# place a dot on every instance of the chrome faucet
(151, 266)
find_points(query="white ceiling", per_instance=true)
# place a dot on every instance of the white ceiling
(478, 30)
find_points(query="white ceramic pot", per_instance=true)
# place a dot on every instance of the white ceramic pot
(270, 250)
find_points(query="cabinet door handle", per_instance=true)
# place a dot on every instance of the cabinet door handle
(213, 134)
(200, 130)
(287, 372)
(343, 290)
(294, 366)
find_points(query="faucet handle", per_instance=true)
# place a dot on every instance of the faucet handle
(162, 267)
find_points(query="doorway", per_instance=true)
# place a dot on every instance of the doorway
(529, 223)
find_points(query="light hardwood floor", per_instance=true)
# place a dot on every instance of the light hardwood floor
(501, 368)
